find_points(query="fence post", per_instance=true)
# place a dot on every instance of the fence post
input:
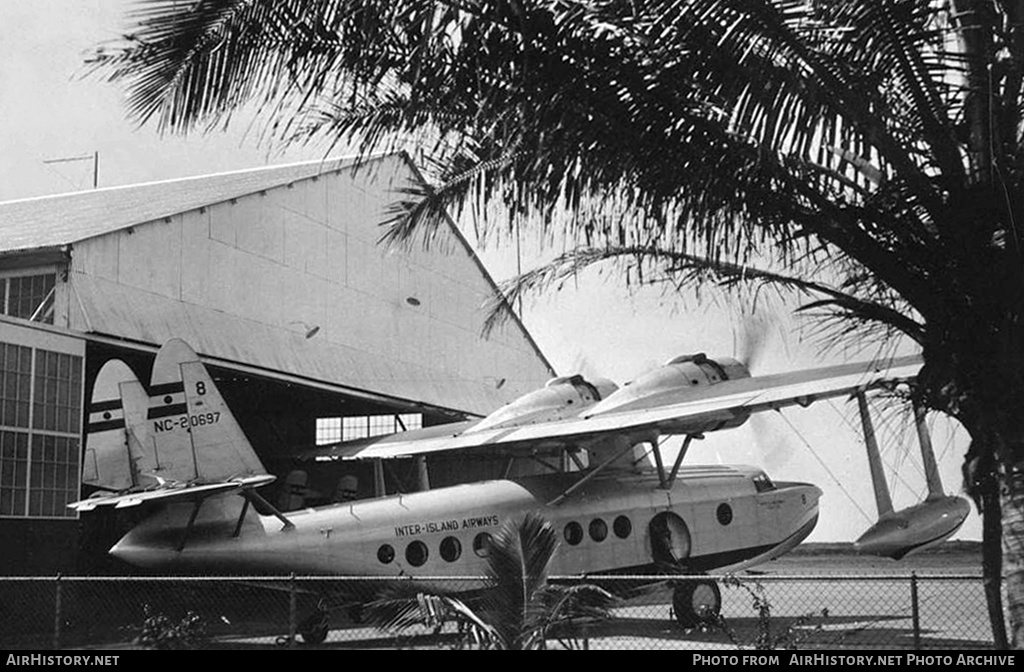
(57, 617)
(292, 612)
(915, 611)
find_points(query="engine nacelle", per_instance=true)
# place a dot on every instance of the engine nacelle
(679, 380)
(560, 398)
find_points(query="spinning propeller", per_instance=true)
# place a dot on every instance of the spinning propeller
(774, 446)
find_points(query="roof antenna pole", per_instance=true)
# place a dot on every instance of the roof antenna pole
(94, 157)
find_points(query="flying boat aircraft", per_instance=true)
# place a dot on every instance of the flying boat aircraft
(179, 450)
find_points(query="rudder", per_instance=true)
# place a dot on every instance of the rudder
(107, 463)
(219, 448)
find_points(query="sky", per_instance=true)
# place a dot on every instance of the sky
(51, 110)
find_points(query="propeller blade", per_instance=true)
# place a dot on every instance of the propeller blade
(752, 338)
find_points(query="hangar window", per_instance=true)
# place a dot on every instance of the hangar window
(332, 430)
(40, 425)
(451, 549)
(28, 296)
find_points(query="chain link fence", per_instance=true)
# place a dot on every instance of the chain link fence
(804, 612)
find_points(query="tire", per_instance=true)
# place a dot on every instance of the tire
(696, 603)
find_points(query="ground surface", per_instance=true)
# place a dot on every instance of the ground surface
(953, 558)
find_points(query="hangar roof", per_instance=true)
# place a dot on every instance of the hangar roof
(51, 221)
(242, 299)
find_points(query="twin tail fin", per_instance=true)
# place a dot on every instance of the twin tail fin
(178, 441)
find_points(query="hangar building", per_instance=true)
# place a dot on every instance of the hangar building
(313, 330)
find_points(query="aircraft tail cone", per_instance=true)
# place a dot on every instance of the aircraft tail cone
(141, 554)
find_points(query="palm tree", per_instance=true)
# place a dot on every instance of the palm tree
(868, 152)
(517, 607)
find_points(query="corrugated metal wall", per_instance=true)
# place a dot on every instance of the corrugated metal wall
(244, 281)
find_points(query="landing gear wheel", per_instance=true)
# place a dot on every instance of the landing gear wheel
(696, 603)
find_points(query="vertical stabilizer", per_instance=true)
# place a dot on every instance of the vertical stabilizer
(107, 463)
(198, 425)
(135, 403)
(167, 427)
(882, 498)
(221, 447)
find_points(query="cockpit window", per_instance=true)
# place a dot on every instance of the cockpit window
(762, 483)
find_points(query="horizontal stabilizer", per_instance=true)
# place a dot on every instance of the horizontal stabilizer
(171, 492)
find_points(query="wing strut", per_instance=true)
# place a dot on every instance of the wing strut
(258, 498)
(658, 462)
(545, 463)
(575, 460)
(931, 470)
(188, 527)
(666, 484)
(379, 489)
(882, 499)
(578, 484)
(241, 517)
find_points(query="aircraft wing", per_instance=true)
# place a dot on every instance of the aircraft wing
(679, 411)
(174, 492)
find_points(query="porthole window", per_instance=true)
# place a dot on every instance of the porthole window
(598, 529)
(622, 527)
(482, 544)
(573, 533)
(416, 553)
(386, 553)
(724, 514)
(451, 549)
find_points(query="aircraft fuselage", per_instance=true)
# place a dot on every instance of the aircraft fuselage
(713, 519)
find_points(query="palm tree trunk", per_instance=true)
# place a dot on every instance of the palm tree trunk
(992, 561)
(1012, 496)
(980, 482)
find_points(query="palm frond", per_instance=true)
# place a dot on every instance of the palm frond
(851, 300)
(405, 606)
(517, 566)
(731, 130)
